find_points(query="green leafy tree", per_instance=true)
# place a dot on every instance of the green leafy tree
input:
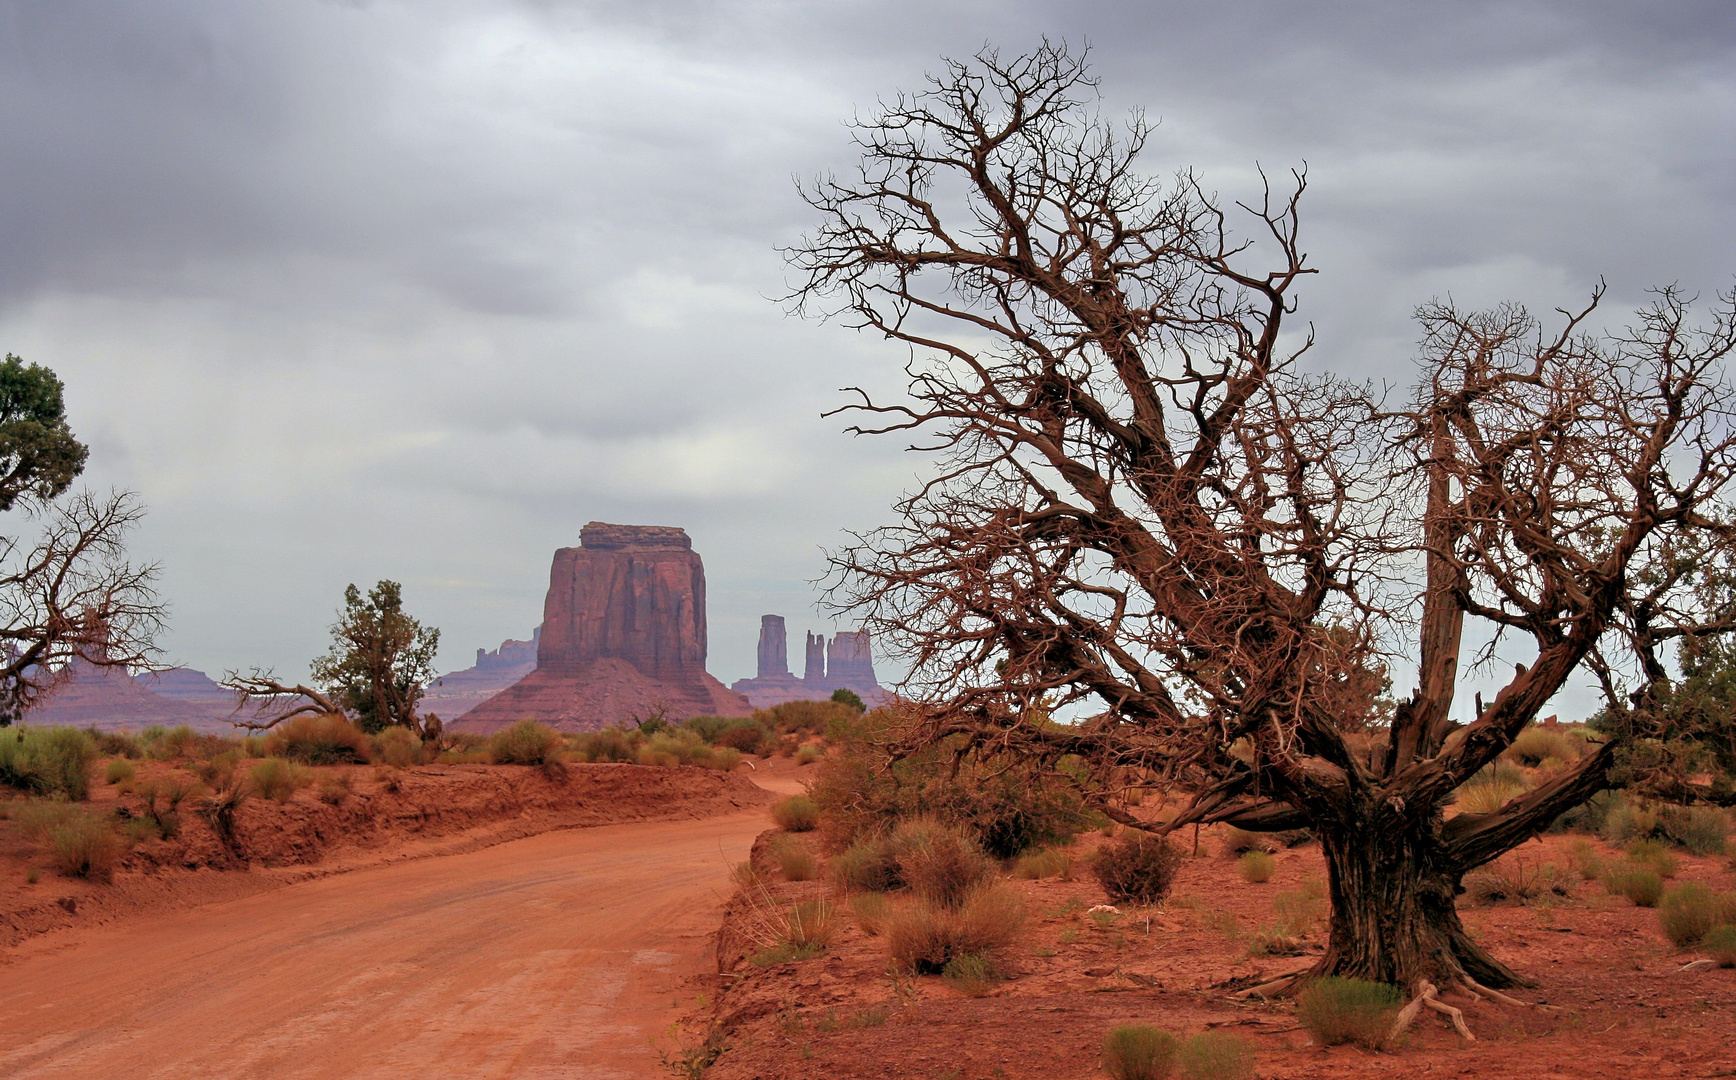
(380, 661)
(846, 696)
(39, 457)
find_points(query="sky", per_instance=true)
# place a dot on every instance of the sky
(413, 290)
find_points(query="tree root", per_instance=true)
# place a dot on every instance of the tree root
(1426, 998)
(1476, 989)
(1274, 987)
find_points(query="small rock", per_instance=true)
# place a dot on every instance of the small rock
(1099, 972)
(70, 904)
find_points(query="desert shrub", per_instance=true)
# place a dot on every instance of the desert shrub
(47, 760)
(848, 697)
(1256, 867)
(333, 790)
(1491, 787)
(1720, 944)
(116, 744)
(119, 769)
(524, 742)
(278, 779)
(397, 746)
(253, 746)
(938, 861)
(922, 936)
(80, 842)
(1586, 860)
(319, 740)
(609, 744)
(162, 811)
(806, 717)
(808, 753)
(1335, 1010)
(1654, 856)
(795, 861)
(868, 864)
(1008, 811)
(176, 742)
(1216, 1055)
(742, 733)
(1627, 820)
(1137, 868)
(801, 933)
(1139, 1052)
(796, 813)
(972, 974)
(1048, 863)
(871, 909)
(1588, 816)
(1700, 830)
(1687, 912)
(1641, 886)
(680, 746)
(1537, 744)
(1517, 881)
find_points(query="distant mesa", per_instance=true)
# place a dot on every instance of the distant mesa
(454, 695)
(623, 637)
(846, 663)
(108, 699)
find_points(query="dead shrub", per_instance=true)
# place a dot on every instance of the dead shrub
(1513, 880)
(1335, 1010)
(796, 813)
(1535, 745)
(1139, 1052)
(938, 861)
(922, 935)
(326, 739)
(1137, 868)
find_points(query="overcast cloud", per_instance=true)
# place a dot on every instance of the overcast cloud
(414, 290)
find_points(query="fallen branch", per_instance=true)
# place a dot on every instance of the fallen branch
(1426, 998)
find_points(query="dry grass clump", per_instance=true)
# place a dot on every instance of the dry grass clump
(319, 740)
(866, 865)
(1295, 913)
(1047, 863)
(398, 747)
(1691, 911)
(796, 813)
(972, 974)
(525, 742)
(800, 933)
(795, 860)
(1654, 856)
(1701, 830)
(1256, 867)
(938, 861)
(116, 744)
(1514, 880)
(872, 910)
(1536, 745)
(119, 770)
(1641, 886)
(808, 753)
(1216, 1055)
(80, 842)
(278, 779)
(1720, 944)
(1335, 1011)
(1139, 1052)
(47, 761)
(333, 790)
(923, 936)
(1137, 868)
(1491, 787)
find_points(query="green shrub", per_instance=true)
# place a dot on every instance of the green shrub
(849, 698)
(796, 813)
(278, 779)
(47, 760)
(868, 865)
(1138, 868)
(319, 740)
(1048, 863)
(177, 742)
(807, 717)
(525, 742)
(1701, 830)
(809, 753)
(398, 747)
(1256, 867)
(1139, 1052)
(253, 746)
(1654, 856)
(795, 861)
(1687, 913)
(1627, 821)
(680, 746)
(118, 770)
(609, 744)
(938, 861)
(972, 974)
(1335, 1010)
(742, 733)
(1720, 944)
(922, 936)
(1216, 1055)
(1640, 885)
(80, 842)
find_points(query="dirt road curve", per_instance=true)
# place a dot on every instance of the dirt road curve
(553, 956)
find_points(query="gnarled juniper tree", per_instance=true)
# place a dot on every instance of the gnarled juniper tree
(1143, 507)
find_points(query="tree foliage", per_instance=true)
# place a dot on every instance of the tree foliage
(380, 661)
(1145, 508)
(39, 457)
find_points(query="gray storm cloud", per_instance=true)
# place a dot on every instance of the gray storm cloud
(413, 290)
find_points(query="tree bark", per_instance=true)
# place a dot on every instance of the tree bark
(1393, 914)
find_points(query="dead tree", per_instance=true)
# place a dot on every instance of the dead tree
(1146, 511)
(273, 702)
(68, 595)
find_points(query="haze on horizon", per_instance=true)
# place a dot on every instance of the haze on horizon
(354, 290)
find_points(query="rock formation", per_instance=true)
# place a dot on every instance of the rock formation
(847, 662)
(108, 699)
(774, 654)
(452, 695)
(623, 637)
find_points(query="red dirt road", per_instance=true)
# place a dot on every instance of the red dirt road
(558, 955)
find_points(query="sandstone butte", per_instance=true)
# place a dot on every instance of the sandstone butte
(846, 663)
(623, 637)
